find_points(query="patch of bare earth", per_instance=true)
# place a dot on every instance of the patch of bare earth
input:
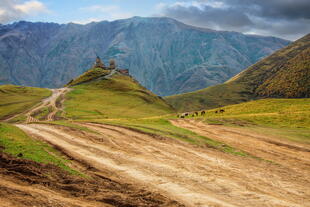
(54, 102)
(292, 155)
(25, 183)
(191, 175)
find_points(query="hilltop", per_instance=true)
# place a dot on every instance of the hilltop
(164, 55)
(102, 93)
(284, 74)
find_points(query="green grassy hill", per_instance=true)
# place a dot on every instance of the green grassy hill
(15, 99)
(119, 96)
(285, 74)
(89, 75)
(288, 118)
(17, 143)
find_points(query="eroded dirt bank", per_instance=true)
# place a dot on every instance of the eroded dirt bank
(26, 183)
(191, 175)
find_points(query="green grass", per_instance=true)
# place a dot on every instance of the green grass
(286, 118)
(16, 141)
(118, 97)
(89, 75)
(42, 113)
(163, 127)
(17, 99)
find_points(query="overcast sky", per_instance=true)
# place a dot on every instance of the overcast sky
(289, 19)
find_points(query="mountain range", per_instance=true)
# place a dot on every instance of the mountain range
(164, 55)
(284, 74)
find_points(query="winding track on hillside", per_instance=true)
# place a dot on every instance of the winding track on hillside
(51, 102)
(189, 174)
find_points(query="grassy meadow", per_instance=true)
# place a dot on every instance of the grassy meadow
(15, 99)
(287, 118)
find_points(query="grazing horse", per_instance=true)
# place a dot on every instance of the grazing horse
(182, 117)
(203, 113)
(222, 111)
(196, 113)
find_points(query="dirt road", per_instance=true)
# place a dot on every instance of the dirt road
(192, 175)
(289, 154)
(54, 102)
(25, 183)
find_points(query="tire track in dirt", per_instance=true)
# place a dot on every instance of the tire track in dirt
(289, 154)
(189, 174)
(40, 194)
(49, 102)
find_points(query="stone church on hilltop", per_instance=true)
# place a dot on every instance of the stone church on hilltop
(112, 66)
(99, 63)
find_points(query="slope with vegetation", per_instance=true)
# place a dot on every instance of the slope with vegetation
(15, 99)
(284, 74)
(17, 143)
(89, 75)
(118, 96)
(288, 118)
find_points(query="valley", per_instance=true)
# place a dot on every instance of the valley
(103, 139)
(174, 162)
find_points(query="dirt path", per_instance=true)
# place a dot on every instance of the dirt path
(191, 175)
(41, 196)
(54, 102)
(25, 183)
(289, 154)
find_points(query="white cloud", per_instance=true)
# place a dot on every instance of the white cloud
(31, 7)
(12, 10)
(187, 4)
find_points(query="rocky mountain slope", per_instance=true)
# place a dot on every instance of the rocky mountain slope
(284, 74)
(164, 55)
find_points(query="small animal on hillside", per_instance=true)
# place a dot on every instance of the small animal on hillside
(178, 116)
(216, 112)
(222, 111)
(196, 113)
(193, 115)
(203, 113)
(182, 117)
(186, 114)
